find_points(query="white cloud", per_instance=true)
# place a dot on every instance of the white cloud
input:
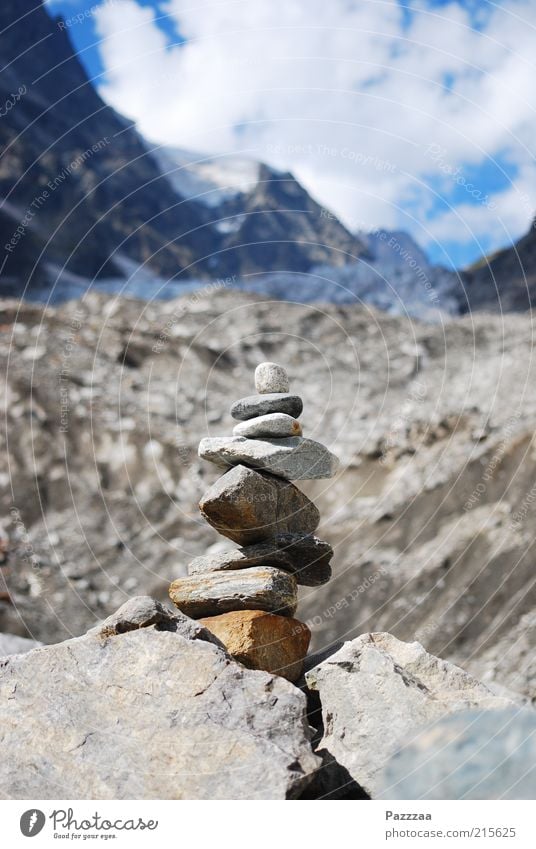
(340, 93)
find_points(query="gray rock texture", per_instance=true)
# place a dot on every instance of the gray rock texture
(471, 755)
(144, 611)
(433, 503)
(377, 693)
(248, 506)
(148, 714)
(260, 405)
(270, 377)
(275, 425)
(12, 644)
(305, 556)
(260, 588)
(293, 458)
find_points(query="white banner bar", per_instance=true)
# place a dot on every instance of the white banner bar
(263, 825)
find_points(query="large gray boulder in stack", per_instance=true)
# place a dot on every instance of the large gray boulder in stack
(294, 458)
(377, 693)
(249, 507)
(471, 755)
(148, 714)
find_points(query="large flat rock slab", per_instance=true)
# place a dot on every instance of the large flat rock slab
(377, 693)
(148, 714)
(249, 507)
(293, 458)
(261, 588)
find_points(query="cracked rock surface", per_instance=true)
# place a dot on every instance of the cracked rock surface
(377, 692)
(148, 714)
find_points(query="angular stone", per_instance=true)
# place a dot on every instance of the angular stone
(270, 377)
(144, 612)
(261, 588)
(259, 405)
(149, 714)
(304, 555)
(264, 641)
(293, 458)
(471, 755)
(249, 507)
(378, 692)
(275, 425)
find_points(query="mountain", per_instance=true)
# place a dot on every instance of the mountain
(80, 189)
(505, 281)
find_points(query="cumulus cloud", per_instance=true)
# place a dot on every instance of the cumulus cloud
(348, 94)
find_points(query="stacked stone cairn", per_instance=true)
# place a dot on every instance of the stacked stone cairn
(247, 597)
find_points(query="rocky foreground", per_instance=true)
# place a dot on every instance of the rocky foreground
(150, 705)
(431, 516)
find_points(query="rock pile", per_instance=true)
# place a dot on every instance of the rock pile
(247, 597)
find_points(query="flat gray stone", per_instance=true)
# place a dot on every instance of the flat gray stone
(293, 458)
(261, 588)
(259, 405)
(149, 714)
(270, 377)
(377, 693)
(275, 425)
(304, 556)
(471, 755)
(249, 507)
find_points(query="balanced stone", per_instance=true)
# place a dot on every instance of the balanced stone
(275, 425)
(249, 507)
(269, 377)
(304, 555)
(264, 641)
(259, 405)
(293, 458)
(246, 589)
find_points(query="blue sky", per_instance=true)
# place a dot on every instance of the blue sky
(416, 116)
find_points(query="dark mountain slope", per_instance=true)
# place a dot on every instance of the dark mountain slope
(506, 281)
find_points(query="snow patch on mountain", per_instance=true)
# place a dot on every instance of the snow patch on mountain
(210, 180)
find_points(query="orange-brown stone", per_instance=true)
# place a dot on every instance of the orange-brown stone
(261, 640)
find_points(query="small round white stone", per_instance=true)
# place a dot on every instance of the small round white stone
(270, 377)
